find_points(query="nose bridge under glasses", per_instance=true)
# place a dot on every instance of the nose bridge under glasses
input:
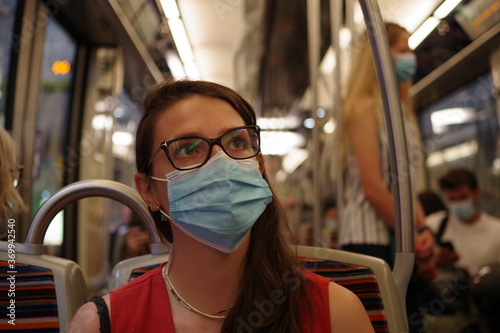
(215, 146)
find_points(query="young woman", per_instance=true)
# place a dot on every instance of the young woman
(367, 215)
(367, 211)
(230, 269)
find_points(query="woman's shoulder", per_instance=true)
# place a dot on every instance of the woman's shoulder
(87, 318)
(347, 313)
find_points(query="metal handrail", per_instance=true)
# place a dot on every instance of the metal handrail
(84, 189)
(398, 153)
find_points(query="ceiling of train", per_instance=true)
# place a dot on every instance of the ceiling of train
(259, 47)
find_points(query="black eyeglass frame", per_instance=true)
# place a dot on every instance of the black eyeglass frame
(211, 142)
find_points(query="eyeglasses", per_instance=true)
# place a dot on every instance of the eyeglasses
(18, 174)
(191, 152)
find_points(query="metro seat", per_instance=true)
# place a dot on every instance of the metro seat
(47, 291)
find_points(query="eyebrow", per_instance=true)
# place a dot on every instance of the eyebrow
(197, 134)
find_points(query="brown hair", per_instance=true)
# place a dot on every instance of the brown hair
(270, 266)
(456, 178)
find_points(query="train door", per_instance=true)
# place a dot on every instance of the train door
(43, 96)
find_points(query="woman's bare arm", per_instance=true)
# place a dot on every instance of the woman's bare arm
(86, 319)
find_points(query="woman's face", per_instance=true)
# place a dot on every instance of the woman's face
(197, 115)
(400, 45)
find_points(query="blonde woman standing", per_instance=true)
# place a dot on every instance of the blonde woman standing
(367, 219)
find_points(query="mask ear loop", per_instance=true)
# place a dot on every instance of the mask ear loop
(158, 208)
(164, 218)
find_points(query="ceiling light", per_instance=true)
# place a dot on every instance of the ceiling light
(451, 116)
(170, 8)
(321, 113)
(330, 126)
(295, 158)
(309, 123)
(328, 63)
(451, 154)
(446, 8)
(278, 123)
(122, 138)
(181, 40)
(102, 122)
(280, 143)
(192, 70)
(175, 65)
(423, 31)
(345, 37)
(460, 151)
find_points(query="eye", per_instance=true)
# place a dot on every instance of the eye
(238, 140)
(185, 148)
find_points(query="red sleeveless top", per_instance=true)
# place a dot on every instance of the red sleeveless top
(142, 305)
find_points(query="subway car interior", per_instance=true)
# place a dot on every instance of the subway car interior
(73, 76)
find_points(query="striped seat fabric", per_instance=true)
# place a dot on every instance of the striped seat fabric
(360, 280)
(33, 290)
(136, 272)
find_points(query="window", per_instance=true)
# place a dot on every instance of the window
(7, 16)
(54, 109)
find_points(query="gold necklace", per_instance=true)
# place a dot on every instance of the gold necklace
(180, 299)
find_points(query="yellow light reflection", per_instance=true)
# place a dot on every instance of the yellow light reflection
(61, 67)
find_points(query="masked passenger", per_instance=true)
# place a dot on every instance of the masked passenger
(367, 214)
(367, 217)
(230, 270)
(468, 237)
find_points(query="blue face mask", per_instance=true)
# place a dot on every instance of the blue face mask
(464, 210)
(218, 203)
(406, 66)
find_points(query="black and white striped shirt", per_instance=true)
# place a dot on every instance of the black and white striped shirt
(359, 223)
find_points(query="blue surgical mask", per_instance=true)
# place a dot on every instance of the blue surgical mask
(406, 66)
(464, 210)
(218, 203)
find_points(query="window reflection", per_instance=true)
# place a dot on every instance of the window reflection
(54, 104)
(7, 15)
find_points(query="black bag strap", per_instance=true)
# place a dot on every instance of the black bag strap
(442, 227)
(102, 310)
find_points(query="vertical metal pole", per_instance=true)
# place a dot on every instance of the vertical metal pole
(401, 191)
(314, 42)
(335, 26)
